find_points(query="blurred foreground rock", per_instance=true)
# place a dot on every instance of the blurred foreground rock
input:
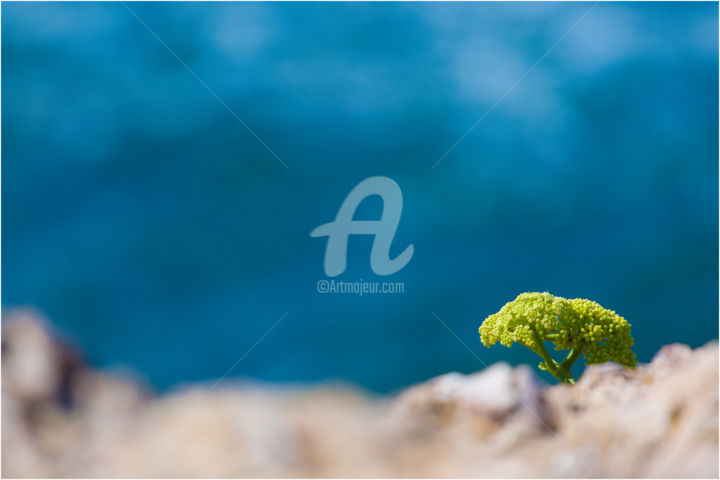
(61, 419)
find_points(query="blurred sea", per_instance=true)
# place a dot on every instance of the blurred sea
(161, 236)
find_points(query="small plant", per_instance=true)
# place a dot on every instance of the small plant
(581, 326)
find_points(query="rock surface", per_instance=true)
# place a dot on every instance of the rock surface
(62, 419)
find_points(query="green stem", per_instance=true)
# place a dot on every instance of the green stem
(542, 351)
(560, 371)
(566, 364)
(571, 358)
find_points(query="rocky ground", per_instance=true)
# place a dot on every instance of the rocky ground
(62, 419)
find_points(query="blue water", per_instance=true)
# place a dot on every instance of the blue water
(156, 231)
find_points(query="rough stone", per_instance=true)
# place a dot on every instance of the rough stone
(63, 419)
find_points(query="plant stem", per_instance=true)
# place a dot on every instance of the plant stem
(542, 351)
(566, 364)
(571, 358)
(560, 371)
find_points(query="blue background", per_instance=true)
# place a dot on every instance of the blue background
(156, 232)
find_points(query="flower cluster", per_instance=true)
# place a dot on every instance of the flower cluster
(579, 325)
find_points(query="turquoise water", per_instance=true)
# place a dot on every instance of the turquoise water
(155, 230)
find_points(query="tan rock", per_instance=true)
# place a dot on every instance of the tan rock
(659, 420)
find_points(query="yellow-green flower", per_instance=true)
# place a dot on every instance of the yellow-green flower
(579, 325)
